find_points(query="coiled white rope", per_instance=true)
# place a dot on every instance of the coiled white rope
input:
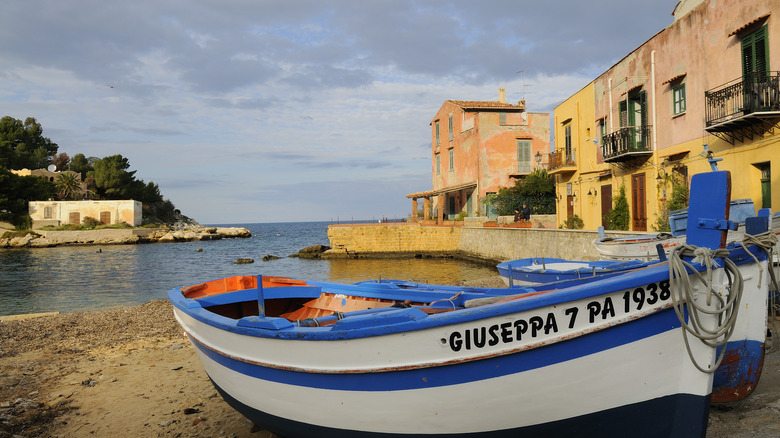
(683, 295)
(767, 242)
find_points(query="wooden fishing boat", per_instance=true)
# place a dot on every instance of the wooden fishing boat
(537, 270)
(599, 358)
(645, 245)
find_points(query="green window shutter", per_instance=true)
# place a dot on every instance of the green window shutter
(755, 53)
(523, 156)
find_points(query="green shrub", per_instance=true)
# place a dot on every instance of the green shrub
(574, 223)
(618, 217)
(90, 222)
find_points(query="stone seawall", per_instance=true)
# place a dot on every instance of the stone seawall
(374, 239)
(487, 243)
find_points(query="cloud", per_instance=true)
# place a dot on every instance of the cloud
(314, 108)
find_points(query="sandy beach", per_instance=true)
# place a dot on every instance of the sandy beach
(131, 372)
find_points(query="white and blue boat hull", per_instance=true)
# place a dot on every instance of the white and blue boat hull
(543, 366)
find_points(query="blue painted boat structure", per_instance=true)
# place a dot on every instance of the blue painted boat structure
(603, 357)
(536, 270)
(644, 246)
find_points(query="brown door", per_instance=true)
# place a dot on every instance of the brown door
(569, 206)
(606, 202)
(105, 217)
(638, 210)
(74, 218)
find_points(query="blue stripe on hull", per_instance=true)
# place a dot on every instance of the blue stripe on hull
(680, 415)
(462, 372)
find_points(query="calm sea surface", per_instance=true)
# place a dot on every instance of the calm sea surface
(75, 278)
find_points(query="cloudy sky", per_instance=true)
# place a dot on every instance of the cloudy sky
(272, 111)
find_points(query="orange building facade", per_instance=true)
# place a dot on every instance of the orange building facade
(478, 147)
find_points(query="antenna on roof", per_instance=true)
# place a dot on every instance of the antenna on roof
(522, 82)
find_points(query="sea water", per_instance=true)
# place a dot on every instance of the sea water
(75, 278)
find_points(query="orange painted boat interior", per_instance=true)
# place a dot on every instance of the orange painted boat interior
(292, 309)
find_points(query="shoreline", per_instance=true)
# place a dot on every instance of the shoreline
(132, 371)
(121, 236)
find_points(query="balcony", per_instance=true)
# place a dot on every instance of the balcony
(563, 161)
(744, 108)
(627, 144)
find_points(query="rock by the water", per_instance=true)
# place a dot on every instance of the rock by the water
(244, 261)
(268, 257)
(311, 252)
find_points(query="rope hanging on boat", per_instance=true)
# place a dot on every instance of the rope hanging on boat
(766, 241)
(683, 294)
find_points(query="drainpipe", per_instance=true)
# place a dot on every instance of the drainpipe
(609, 116)
(652, 92)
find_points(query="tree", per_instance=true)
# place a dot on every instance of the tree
(68, 186)
(22, 144)
(111, 177)
(79, 163)
(16, 192)
(537, 190)
(61, 161)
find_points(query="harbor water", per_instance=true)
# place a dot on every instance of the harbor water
(76, 278)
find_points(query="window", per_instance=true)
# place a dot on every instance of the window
(438, 165)
(48, 212)
(603, 128)
(678, 99)
(523, 156)
(755, 56)
(438, 142)
(450, 127)
(502, 118)
(567, 139)
(452, 159)
(633, 115)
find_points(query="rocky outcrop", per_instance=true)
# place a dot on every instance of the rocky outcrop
(311, 252)
(108, 236)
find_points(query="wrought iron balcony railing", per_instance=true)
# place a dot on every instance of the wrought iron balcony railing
(752, 93)
(561, 158)
(625, 142)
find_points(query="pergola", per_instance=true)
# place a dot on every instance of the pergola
(430, 194)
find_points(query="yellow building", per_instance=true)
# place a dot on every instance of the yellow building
(705, 80)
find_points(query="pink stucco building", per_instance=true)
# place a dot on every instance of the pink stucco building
(478, 147)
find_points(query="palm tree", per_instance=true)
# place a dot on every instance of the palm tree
(68, 186)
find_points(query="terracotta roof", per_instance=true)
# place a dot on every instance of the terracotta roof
(450, 189)
(673, 78)
(748, 24)
(476, 104)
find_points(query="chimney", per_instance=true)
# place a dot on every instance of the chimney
(502, 95)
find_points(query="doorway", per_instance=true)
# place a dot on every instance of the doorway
(638, 200)
(606, 203)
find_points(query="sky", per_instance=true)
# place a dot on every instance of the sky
(246, 111)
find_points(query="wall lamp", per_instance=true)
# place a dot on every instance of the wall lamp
(593, 193)
(661, 175)
(538, 157)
